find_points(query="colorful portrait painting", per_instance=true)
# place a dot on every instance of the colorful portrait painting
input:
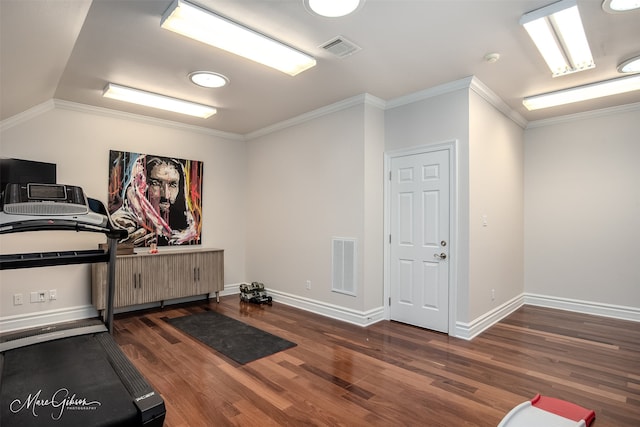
(157, 199)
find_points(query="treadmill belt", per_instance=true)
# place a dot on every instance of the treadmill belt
(65, 382)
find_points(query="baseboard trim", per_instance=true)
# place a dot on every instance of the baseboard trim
(355, 317)
(584, 307)
(468, 331)
(230, 289)
(34, 320)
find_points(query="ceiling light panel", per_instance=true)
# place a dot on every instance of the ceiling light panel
(583, 93)
(559, 35)
(154, 100)
(207, 27)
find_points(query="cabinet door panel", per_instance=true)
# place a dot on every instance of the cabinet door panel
(211, 266)
(128, 276)
(145, 278)
(152, 279)
(181, 276)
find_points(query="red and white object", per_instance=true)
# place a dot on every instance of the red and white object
(543, 411)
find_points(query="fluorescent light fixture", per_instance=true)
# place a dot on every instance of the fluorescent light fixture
(583, 93)
(207, 27)
(631, 65)
(148, 99)
(620, 6)
(208, 79)
(558, 34)
(333, 8)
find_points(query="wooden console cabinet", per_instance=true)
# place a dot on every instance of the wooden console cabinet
(144, 278)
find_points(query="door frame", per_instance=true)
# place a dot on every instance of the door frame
(452, 147)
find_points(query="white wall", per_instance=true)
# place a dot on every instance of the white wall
(582, 209)
(78, 140)
(496, 192)
(306, 184)
(373, 222)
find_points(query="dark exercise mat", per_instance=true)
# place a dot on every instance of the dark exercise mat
(236, 340)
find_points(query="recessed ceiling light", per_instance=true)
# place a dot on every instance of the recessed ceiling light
(333, 8)
(631, 65)
(208, 79)
(620, 6)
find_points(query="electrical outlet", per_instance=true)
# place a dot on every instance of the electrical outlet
(493, 294)
(53, 294)
(39, 296)
(308, 285)
(18, 299)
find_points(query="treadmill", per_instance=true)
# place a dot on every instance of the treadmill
(73, 373)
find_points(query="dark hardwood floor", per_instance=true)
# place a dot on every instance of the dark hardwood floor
(388, 374)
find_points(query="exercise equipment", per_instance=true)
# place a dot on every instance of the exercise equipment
(543, 411)
(73, 373)
(254, 293)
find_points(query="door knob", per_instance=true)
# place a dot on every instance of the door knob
(440, 256)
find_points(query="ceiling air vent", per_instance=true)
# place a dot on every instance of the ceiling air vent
(341, 47)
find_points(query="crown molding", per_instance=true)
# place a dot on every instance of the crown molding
(26, 115)
(490, 96)
(620, 109)
(471, 83)
(100, 111)
(374, 101)
(362, 99)
(53, 104)
(430, 93)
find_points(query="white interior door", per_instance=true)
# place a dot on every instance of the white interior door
(419, 225)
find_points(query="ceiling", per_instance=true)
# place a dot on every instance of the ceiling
(70, 49)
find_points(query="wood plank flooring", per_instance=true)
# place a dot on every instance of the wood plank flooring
(388, 374)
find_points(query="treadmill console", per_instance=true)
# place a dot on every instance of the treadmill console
(44, 200)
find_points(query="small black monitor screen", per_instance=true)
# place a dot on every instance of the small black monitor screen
(49, 192)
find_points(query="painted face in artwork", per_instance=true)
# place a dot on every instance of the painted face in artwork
(164, 186)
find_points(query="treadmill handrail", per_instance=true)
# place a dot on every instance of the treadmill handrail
(53, 224)
(48, 259)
